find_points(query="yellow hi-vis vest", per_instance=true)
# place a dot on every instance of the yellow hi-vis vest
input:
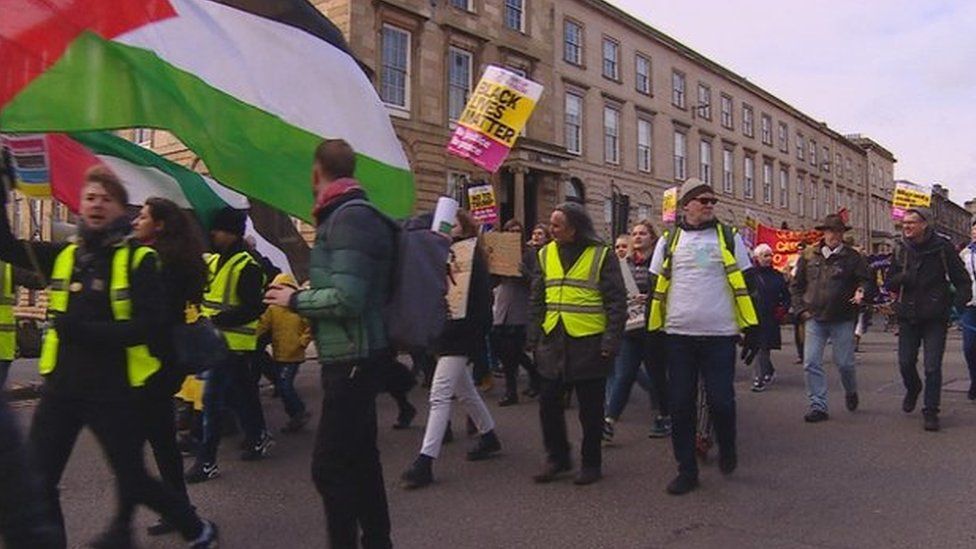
(222, 295)
(8, 326)
(574, 297)
(745, 311)
(140, 362)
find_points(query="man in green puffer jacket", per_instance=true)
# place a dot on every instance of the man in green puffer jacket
(351, 269)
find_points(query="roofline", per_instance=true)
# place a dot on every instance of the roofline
(696, 57)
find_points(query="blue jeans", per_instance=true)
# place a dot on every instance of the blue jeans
(969, 340)
(235, 383)
(841, 335)
(4, 370)
(626, 370)
(911, 336)
(294, 406)
(712, 357)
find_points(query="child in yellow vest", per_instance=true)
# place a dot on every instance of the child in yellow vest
(290, 335)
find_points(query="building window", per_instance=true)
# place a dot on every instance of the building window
(574, 123)
(456, 182)
(847, 168)
(801, 146)
(611, 135)
(727, 183)
(767, 130)
(680, 156)
(813, 153)
(642, 67)
(395, 71)
(463, 5)
(784, 188)
(783, 137)
(705, 161)
(727, 121)
(459, 81)
(767, 182)
(573, 42)
(813, 201)
(142, 136)
(515, 14)
(704, 101)
(825, 154)
(611, 59)
(678, 89)
(749, 177)
(644, 133)
(800, 203)
(748, 117)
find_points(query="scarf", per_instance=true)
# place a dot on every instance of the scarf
(332, 192)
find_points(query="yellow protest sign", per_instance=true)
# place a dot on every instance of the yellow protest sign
(909, 195)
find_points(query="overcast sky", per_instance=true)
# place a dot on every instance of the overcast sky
(902, 72)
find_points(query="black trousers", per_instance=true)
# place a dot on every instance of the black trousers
(118, 430)
(25, 522)
(346, 462)
(911, 336)
(591, 394)
(656, 365)
(510, 348)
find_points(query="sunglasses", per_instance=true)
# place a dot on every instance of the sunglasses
(707, 201)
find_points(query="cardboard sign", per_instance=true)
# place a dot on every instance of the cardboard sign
(504, 253)
(497, 111)
(636, 306)
(785, 244)
(669, 205)
(459, 280)
(909, 195)
(481, 202)
(30, 164)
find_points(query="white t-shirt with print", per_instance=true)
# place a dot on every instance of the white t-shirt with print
(700, 301)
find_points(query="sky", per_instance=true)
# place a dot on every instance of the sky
(902, 72)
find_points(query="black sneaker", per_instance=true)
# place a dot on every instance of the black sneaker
(768, 378)
(161, 528)
(661, 427)
(487, 445)
(851, 401)
(607, 431)
(758, 385)
(931, 421)
(552, 471)
(259, 450)
(911, 399)
(418, 475)
(682, 484)
(816, 416)
(509, 400)
(207, 538)
(405, 417)
(202, 472)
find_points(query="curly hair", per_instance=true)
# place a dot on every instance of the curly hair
(180, 248)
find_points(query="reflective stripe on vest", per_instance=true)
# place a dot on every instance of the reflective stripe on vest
(574, 297)
(221, 295)
(8, 327)
(745, 311)
(140, 363)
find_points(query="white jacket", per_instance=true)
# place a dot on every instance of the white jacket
(969, 260)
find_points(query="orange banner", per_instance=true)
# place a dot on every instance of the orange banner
(785, 243)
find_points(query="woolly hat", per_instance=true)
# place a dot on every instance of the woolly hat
(230, 220)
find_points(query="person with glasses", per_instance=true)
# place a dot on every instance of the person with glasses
(702, 304)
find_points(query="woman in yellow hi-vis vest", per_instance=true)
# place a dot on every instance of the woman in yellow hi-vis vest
(701, 302)
(104, 309)
(577, 316)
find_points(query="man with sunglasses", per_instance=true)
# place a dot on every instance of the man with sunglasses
(702, 303)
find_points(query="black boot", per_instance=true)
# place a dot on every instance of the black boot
(405, 417)
(419, 474)
(487, 445)
(931, 420)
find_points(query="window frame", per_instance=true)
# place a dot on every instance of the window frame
(615, 136)
(784, 187)
(679, 94)
(567, 44)
(704, 108)
(705, 163)
(766, 129)
(407, 95)
(728, 170)
(522, 13)
(607, 40)
(727, 115)
(451, 50)
(783, 136)
(645, 154)
(748, 121)
(646, 78)
(680, 161)
(749, 176)
(801, 147)
(767, 181)
(566, 123)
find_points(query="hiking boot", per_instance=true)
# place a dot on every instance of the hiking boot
(588, 475)
(405, 417)
(202, 472)
(207, 538)
(161, 528)
(931, 420)
(851, 401)
(552, 471)
(816, 416)
(509, 400)
(607, 431)
(661, 427)
(681, 485)
(419, 474)
(296, 423)
(911, 399)
(260, 449)
(758, 385)
(487, 445)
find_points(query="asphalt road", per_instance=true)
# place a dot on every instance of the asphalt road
(868, 479)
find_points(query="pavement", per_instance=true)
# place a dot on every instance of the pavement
(869, 479)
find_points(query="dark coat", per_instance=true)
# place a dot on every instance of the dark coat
(578, 358)
(921, 275)
(466, 336)
(823, 288)
(769, 291)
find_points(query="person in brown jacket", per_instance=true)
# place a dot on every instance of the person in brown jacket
(290, 335)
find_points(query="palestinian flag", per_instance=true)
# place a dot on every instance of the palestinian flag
(251, 86)
(146, 174)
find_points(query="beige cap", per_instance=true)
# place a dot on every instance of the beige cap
(691, 188)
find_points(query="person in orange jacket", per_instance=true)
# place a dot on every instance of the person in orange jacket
(290, 335)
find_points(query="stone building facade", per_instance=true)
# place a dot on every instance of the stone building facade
(950, 219)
